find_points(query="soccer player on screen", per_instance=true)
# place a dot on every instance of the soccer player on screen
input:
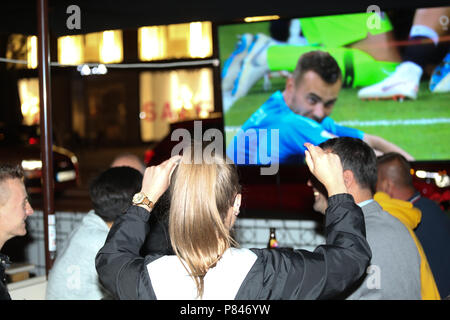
(301, 114)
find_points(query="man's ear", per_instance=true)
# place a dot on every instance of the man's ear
(389, 187)
(290, 86)
(381, 185)
(349, 179)
(237, 204)
(290, 82)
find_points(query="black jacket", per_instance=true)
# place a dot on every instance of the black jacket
(4, 261)
(158, 240)
(276, 274)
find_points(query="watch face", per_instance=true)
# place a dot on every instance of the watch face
(138, 197)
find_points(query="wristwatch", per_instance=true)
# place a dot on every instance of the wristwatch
(141, 198)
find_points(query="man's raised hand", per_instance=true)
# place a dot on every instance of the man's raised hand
(326, 167)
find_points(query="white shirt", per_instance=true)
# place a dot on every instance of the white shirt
(171, 281)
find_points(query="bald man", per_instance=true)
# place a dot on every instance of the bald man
(128, 160)
(395, 179)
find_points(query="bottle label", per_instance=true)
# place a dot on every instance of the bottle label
(273, 243)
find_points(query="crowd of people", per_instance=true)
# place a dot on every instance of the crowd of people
(165, 232)
(169, 226)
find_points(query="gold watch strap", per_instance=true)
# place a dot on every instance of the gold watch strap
(148, 202)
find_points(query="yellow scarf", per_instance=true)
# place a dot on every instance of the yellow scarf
(410, 217)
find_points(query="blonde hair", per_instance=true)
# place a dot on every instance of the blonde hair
(201, 195)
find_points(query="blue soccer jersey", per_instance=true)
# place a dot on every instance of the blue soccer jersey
(275, 134)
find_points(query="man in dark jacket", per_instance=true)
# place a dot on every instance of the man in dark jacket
(14, 210)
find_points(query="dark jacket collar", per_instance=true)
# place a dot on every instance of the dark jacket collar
(4, 263)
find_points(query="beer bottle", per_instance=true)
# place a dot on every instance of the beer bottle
(273, 242)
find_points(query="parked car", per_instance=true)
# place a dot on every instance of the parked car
(21, 145)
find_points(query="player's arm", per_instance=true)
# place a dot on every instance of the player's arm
(383, 146)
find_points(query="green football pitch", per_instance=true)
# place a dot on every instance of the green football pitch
(421, 127)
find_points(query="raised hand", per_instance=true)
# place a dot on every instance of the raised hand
(157, 178)
(326, 167)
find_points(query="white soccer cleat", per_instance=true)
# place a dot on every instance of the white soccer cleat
(233, 64)
(253, 67)
(403, 83)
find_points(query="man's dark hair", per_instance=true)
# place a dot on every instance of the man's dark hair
(356, 156)
(320, 62)
(10, 171)
(112, 191)
(402, 173)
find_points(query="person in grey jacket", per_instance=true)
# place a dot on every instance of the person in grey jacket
(394, 271)
(208, 264)
(73, 275)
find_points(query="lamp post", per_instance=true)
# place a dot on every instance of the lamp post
(46, 133)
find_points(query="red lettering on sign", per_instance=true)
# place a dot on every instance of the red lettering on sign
(167, 111)
(149, 109)
(182, 114)
(198, 108)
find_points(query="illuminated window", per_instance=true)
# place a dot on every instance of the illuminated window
(111, 50)
(21, 47)
(32, 52)
(152, 43)
(91, 46)
(29, 100)
(70, 50)
(175, 41)
(171, 96)
(103, 47)
(200, 40)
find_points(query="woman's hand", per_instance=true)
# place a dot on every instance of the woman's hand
(327, 168)
(157, 178)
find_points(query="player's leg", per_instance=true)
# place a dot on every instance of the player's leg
(254, 65)
(379, 46)
(358, 67)
(424, 37)
(330, 32)
(434, 23)
(233, 64)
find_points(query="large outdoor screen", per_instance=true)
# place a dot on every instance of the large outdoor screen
(394, 84)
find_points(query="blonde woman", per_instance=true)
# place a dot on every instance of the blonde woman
(208, 264)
